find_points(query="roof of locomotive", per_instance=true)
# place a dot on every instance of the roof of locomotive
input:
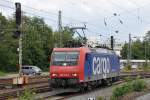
(87, 49)
(101, 50)
(66, 49)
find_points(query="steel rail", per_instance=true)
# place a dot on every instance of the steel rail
(40, 84)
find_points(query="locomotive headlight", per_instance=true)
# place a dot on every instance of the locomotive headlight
(54, 74)
(74, 74)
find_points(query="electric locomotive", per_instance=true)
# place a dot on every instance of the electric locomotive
(83, 67)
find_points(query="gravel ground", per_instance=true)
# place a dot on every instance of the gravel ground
(144, 97)
(106, 93)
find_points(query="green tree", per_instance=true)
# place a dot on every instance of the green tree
(37, 42)
(67, 38)
(147, 43)
(124, 51)
(8, 46)
(137, 49)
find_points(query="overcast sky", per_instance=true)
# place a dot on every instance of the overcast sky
(105, 17)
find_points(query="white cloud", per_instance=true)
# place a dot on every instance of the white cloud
(94, 12)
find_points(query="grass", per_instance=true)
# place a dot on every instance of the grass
(27, 95)
(137, 85)
(127, 68)
(129, 87)
(2, 73)
(100, 98)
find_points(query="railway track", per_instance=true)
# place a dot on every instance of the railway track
(40, 84)
(36, 83)
(141, 74)
(71, 93)
(64, 96)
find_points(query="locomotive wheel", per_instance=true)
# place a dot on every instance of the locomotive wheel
(83, 87)
(89, 87)
(110, 82)
(107, 82)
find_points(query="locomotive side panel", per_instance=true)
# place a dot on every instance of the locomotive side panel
(100, 66)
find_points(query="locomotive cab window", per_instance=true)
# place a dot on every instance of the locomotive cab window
(69, 58)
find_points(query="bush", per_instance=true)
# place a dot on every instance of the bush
(130, 86)
(138, 85)
(27, 95)
(100, 98)
(120, 91)
(127, 79)
(127, 68)
(113, 98)
(117, 92)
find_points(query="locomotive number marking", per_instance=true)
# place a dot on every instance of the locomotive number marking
(101, 65)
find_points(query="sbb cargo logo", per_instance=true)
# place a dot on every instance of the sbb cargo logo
(101, 65)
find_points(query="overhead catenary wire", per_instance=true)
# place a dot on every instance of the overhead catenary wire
(47, 18)
(72, 18)
(121, 14)
(43, 12)
(79, 21)
(7, 6)
(57, 15)
(51, 13)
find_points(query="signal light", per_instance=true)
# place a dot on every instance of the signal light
(18, 13)
(16, 34)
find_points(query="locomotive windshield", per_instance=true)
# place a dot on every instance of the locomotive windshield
(65, 58)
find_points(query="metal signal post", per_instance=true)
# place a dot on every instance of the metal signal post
(20, 54)
(60, 28)
(19, 34)
(129, 51)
